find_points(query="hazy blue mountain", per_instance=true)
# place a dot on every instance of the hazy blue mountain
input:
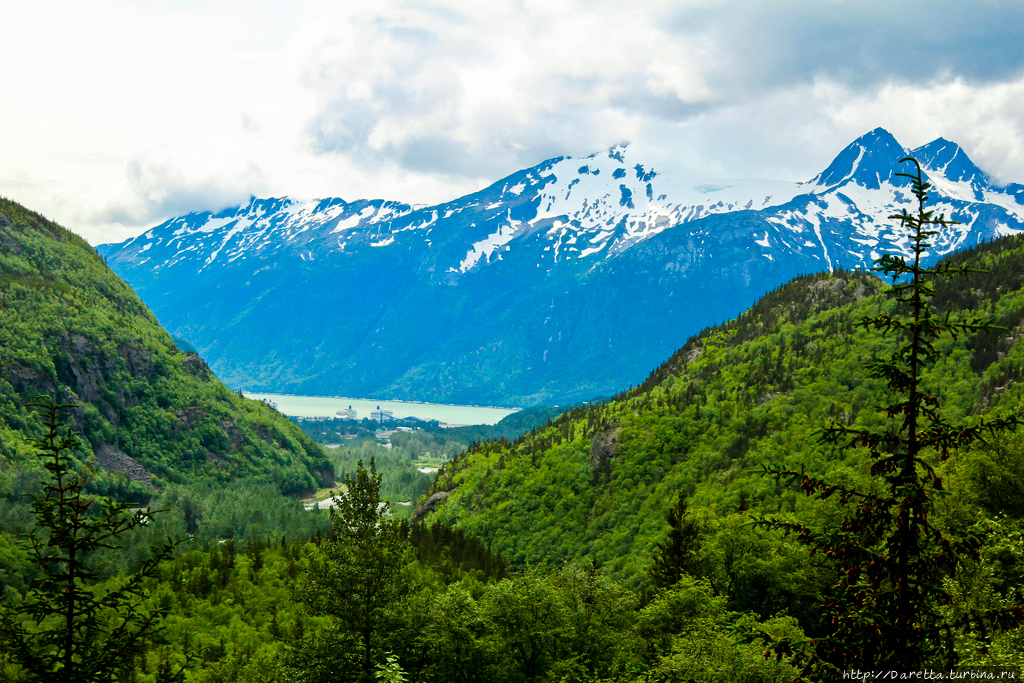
(560, 282)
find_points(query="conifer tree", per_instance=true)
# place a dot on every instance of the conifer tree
(68, 629)
(357, 577)
(883, 611)
(678, 554)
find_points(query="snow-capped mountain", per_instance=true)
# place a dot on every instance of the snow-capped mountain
(562, 281)
(600, 205)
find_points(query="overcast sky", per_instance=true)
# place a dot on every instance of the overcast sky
(115, 116)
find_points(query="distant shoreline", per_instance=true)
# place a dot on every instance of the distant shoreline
(388, 400)
(307, 406)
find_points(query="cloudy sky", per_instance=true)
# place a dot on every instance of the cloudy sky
(117, 115)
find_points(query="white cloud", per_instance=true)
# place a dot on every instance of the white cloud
(156, 188)
(118, 115)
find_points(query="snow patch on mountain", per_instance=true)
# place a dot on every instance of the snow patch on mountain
(484, 248)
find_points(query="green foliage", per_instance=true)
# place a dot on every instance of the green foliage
(408, 451)
(65, 628)
(390, 671)
(233, 616)
(451, 555)
(245, 510)
(992, 477)
(576, 624)
(539, 565)
(599, 480)
(526, 625)
(687, 634)
(401, 481)
(731, 398)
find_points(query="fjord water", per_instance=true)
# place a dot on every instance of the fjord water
(328, 406)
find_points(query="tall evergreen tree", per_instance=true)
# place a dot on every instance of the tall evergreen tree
(68, 629)
(884, 609)
(358, 577)
(678, 554)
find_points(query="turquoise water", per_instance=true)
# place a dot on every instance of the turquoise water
(328, 406)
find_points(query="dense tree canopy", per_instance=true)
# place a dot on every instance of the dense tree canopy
(613, 543)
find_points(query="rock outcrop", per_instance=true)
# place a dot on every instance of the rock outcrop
(430, 505)
(604, 447)
(112, 459)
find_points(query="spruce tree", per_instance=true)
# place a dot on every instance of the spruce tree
(68, 628)
(883, 613)
(358, 577)
(678, 554)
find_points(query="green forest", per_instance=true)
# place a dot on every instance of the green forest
(828, 483)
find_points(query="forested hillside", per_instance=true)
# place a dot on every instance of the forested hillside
(71, 329)
(598, 481)
(626, 541)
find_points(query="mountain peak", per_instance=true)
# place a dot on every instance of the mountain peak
(950, 160)
(878, 137)
(868, 161)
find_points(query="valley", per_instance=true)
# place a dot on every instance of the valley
(641, 535)
(511, 342)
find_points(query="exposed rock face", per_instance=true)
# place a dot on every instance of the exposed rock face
(80, 344)
(138, 359)
(432, 503)
(29, 379)
(83, 381)
(830, 292)
(112, 459)
(191, 415)
(604, 447)
(264, 433)
(834, 284)
(234, 434)
(217, 460)
(196, 366)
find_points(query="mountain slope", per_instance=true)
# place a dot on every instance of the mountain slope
(598, 481)
(560, 282)
(71, 329)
